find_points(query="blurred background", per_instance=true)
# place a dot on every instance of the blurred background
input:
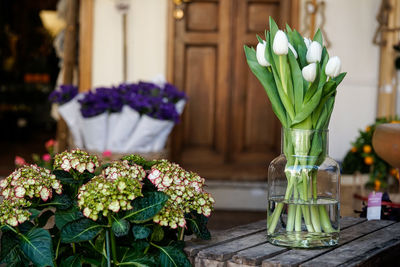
(228, 132)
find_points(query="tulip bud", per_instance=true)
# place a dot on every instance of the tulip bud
(260, 53)
(307, 42)
(293, 50)
(333, 67)
(281, 43)
(309, 72)
(314, 52)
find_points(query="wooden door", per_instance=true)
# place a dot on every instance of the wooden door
(228, 129)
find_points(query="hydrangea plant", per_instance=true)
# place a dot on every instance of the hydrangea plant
(129, 212)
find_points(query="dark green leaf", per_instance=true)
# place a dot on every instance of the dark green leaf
(198, 225)
(64, 177)
(65, 216)
(72, 261)
(61, 202)
(158, 233)
(10, 249)
(37, 246)
(120, 227)
(140, 231)
(44, 218)
(25, 227)
(134, 258)
(145, 208)
(173, 257)
(80, 230)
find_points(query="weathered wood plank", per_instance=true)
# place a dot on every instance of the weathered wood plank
(226, 250)
(255, 255)
(194, 246)
(200, 262)
(369, 248)
(295, 257)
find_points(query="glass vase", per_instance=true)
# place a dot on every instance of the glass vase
(303, 192)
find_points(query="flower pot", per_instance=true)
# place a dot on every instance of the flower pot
(303, 192)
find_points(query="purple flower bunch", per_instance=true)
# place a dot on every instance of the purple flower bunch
(146, 98)
(65, 94)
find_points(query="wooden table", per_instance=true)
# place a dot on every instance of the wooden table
(362, 243)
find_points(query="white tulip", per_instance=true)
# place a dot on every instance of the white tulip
(307, 42)
(333, 67)
(260, 53)
(281, 43)
(314, 52)
(293, 50)
(309, 72)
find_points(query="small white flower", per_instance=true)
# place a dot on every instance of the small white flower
(314, 52)
(44, 194)
(19, 192)
(12, 221)
(260, 54)
(87, 212)
(114, 206)
(333, 67)
(66, 166)
(280, 44)
(309, 72)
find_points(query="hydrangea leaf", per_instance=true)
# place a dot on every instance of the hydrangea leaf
(80, 230)
(37, 246)
(145, 208)
(65, 216)
(140, 231)
(120, 227)
(64, 177)
(72, 261)
(61, 202)
(132, 257)
(198, 225)
(173, 257)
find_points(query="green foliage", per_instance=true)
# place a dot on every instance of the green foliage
(117, 238)
(120, 227)
(72, 261)
(145, 208)
(363, 159)
(173, 257)
(140, 231)
(80, 230)
(37, 246)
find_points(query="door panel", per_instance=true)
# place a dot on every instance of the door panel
(228, 128)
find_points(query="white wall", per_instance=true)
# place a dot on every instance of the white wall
(350, 26)
(147, 35)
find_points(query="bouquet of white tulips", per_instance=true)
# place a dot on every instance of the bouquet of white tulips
(300, 80)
